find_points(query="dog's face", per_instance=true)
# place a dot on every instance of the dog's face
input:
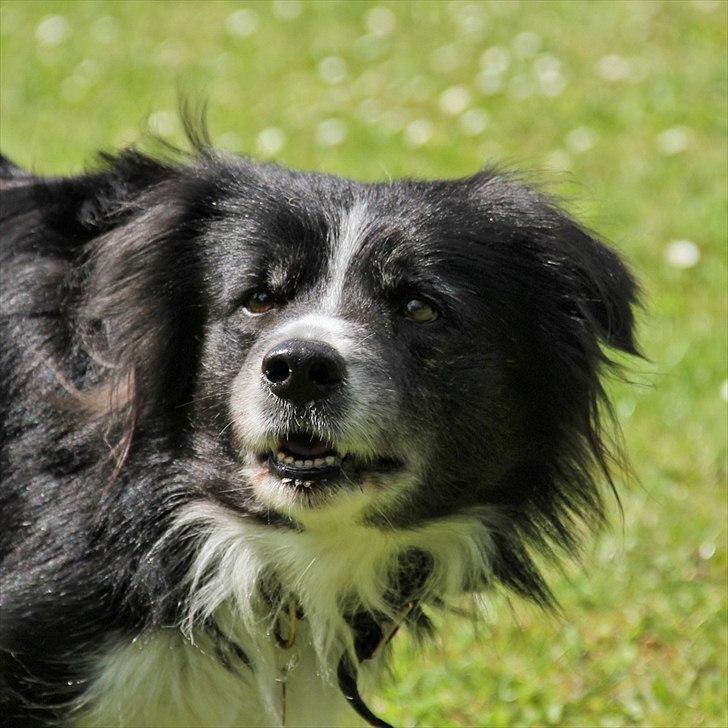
(397, 352)
(351, 331)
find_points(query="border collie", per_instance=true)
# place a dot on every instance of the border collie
(254, 420)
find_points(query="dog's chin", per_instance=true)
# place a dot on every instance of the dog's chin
(301, 473)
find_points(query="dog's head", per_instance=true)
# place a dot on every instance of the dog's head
(392, 353)
(409, 348)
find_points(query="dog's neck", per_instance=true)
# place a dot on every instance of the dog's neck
(280, 623)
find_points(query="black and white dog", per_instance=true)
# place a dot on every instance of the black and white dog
(254, 420)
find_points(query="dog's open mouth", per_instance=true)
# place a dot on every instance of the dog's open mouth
(305, 460)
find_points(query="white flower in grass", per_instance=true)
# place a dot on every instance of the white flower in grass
(495, 60)
(527, 44)
(287, 9)
(547, 69)
(332, 69)
(380, 21)
(331, 132)
(580, 140)
(369, 110)
(418, 132)
(489, 83)
(674, 140)
(559, 160)
(170, 53)
(614, 67)
(682, 254)
(52, 30)
(454, 100)
(474, 122)
(270, 141)
(242, 23)
(470, 19)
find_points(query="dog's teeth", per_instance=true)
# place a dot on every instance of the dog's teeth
(307, 483)
(286, 481)
(283, 457)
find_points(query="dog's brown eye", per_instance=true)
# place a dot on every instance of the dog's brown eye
(420, 311)
(259, 301)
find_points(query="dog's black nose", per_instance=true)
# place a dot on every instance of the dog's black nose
(300, 370)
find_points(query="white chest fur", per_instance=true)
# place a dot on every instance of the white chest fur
(164, 680)
(175, 678)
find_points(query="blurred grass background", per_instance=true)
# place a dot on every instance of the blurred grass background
(621, 108)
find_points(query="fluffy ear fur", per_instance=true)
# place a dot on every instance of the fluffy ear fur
(122, 269)
(592, 282)
(599, 287)
(75, 209)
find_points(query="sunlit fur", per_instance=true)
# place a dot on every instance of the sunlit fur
(148, 554)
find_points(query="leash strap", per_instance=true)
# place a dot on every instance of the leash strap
(371, 637)
(346, 676)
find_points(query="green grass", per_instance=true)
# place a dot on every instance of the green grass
(621, 107)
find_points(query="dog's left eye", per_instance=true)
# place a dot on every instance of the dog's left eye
(420, 311)
(259, 301)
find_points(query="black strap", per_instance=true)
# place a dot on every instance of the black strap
(346, 676)
(372, 632)
(370, 636)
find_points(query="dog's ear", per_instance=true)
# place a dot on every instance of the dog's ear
(559, 263)
(76, 208)
(118, 265)
(142, 302)
(596, 284)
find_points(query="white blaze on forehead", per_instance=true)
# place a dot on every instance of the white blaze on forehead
(345, 244)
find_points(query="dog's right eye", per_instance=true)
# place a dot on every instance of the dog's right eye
(420, 311)
(259, 301)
